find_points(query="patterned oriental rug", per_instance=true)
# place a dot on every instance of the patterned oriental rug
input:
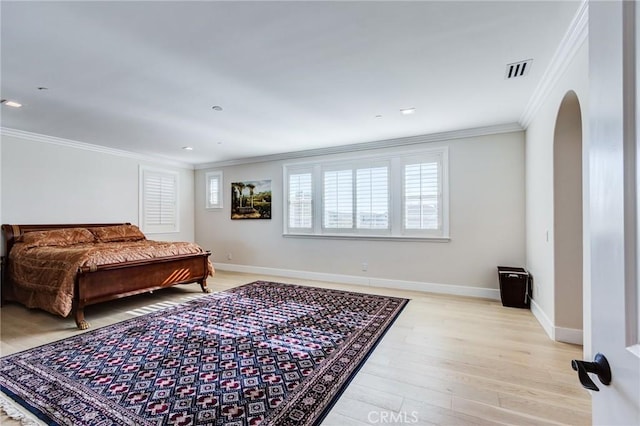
(261, 353)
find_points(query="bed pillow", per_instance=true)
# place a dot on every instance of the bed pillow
(109, 234)
(57, 237)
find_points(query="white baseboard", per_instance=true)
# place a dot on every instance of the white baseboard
(559, 334)
(569, 335)
(543, 319)
(458, 290)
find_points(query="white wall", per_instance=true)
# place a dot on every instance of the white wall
(49, 183)
(539, 188)
(567, 228)
(486, 224)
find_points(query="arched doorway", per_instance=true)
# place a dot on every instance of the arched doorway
(567, 220)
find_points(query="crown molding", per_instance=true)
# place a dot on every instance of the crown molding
(574, 38)
(365, 146)
(387, 143)
(36, 137)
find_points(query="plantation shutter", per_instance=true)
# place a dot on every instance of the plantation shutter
(372, 198)
(338, 199)
(214, 190)
(159, 201)
(403, 196)
(300, 201)
(422, 192)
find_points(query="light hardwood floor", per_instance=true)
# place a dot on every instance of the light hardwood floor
(446, 360)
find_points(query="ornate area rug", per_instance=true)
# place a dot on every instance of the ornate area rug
(262, 353)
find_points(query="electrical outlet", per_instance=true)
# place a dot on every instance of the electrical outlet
(229, 256)
(365, 266)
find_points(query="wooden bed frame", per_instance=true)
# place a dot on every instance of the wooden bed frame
(108, 282)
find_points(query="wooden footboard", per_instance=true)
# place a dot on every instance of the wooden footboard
(108, 282)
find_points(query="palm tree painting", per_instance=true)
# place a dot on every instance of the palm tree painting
(251, 188)
(251, 200)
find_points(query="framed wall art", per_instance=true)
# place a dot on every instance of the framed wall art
(251, 199)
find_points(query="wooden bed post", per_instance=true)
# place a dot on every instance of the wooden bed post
(3, 286)
(80, 321)
(203, 281)
(9, 233)
(203, 286)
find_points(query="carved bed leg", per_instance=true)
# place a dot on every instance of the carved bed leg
(203, 286)
(80, 321)
(4, 285)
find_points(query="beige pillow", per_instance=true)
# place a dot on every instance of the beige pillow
(107, 234)
(57, 237)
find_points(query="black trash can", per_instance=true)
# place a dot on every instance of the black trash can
(515, 287)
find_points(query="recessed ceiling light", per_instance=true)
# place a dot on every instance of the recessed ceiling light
(187, 148)
(407, 111)
(11, 103)
(216, 108)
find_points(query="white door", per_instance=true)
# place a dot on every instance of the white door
(614, 182)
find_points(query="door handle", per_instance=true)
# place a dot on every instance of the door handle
(599, 366)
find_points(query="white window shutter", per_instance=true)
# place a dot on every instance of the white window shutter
(300, 207)
(372, 198)
(213, 190)
(422, 185)
(403, 196)
(338, 199)
(159, 201)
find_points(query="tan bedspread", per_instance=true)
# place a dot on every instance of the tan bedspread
(45, 276)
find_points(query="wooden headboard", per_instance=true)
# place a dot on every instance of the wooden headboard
(11, 232)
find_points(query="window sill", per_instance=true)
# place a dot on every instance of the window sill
(370, 237)
(173, 231)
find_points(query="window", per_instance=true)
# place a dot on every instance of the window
(338, 199)
(372, 200)
(356, 198)
(158, 200)
(214, 190)
(422, 195)
(398, 196)
(300, 201)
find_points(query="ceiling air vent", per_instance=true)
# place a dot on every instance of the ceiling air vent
(518, 69)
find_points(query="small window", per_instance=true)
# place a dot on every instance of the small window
(214, 190)
(158, 200)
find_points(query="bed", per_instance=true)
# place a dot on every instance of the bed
(64, 268)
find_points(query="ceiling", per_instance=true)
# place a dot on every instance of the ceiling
(144, 76)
